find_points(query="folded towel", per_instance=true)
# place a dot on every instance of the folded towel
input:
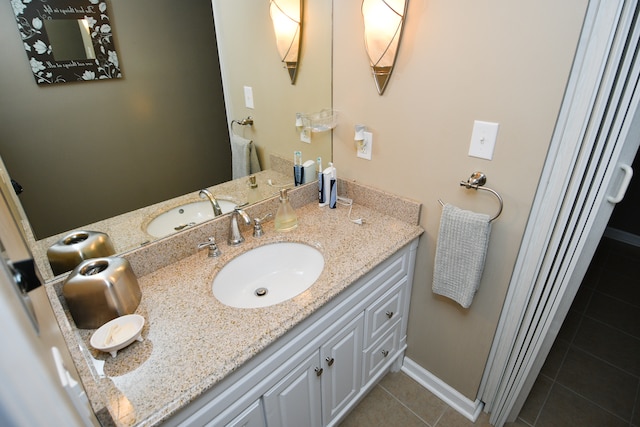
(460, 254)
(244, 157)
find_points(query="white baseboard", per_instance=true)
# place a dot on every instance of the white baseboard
(622, 236)
(470, 410)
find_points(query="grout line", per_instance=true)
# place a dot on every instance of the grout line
(635, 408)
(612, 327)
(439, 418)
(546, 398)
(605, 361)
(403, 404)
(594, 403)
(524, 422)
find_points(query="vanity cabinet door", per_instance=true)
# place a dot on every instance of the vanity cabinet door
(295, 400)
(342, 361)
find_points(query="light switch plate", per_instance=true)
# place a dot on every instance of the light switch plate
(483, 139)
(248, 96)
(367, 146)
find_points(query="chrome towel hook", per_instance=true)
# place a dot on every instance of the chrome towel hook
(476, 181)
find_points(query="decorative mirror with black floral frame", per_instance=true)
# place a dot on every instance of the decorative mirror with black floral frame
(67, 40)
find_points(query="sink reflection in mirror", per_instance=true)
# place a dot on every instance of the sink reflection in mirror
(185, 216)
(268, 275)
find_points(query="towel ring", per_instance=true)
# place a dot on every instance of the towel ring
(476, 181)
(244, 122)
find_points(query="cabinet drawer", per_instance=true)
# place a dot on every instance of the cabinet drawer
(253, 416)
(384, 277)
(383, 350)
(383, 314)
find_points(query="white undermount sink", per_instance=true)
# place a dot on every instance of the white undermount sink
(268, 275)
(184, 216)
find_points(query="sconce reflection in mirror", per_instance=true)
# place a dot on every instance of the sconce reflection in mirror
(383, 22)
(67, 40)
(287, 25)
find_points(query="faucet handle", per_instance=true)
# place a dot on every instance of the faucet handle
(257, 225)
(214, 251)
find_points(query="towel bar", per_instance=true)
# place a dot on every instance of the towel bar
(476, 181)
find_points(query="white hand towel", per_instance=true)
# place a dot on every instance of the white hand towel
(460, 254)
(244, 157)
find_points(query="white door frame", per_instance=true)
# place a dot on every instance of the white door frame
(597, 127)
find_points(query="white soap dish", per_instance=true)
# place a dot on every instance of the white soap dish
(118, 333)
(321, 121)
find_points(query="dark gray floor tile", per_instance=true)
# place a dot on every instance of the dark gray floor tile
(581, 301)
(518, 423)
(565, 408)
(609, 344)
(592, 276)
(570, 325)
(599, 382)
(635, 421)
(554, 360)
(621, 285)
(536, 399)
(616, 313)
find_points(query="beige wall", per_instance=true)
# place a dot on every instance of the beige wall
(250, 58)
(494, 60)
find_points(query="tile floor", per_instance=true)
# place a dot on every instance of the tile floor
(399, 401)
(591, 377)
(592, 374)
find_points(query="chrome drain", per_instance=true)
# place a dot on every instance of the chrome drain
(260, 292)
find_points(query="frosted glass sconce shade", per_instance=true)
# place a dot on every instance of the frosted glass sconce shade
(287, 24)
(383, 22)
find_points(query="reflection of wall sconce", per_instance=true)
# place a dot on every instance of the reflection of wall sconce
(287, 24)
(383, 22)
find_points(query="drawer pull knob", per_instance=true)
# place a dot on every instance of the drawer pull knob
(385, 353)
(329, 360)
(318, 371)
(389, 314)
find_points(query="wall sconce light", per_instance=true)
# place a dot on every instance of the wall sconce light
(383, 22)
(287, 24)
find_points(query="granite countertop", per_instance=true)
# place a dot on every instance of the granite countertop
(192, 341)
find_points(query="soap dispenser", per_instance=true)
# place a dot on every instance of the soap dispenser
(286, 218)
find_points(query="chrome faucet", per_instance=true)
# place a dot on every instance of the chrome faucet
(235, 236)
(257, 225)
(214, 203)
(210, 244)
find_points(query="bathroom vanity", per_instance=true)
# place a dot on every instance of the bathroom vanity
(320, 368)
(305, 361)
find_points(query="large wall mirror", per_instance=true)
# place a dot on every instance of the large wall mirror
(86, 152)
